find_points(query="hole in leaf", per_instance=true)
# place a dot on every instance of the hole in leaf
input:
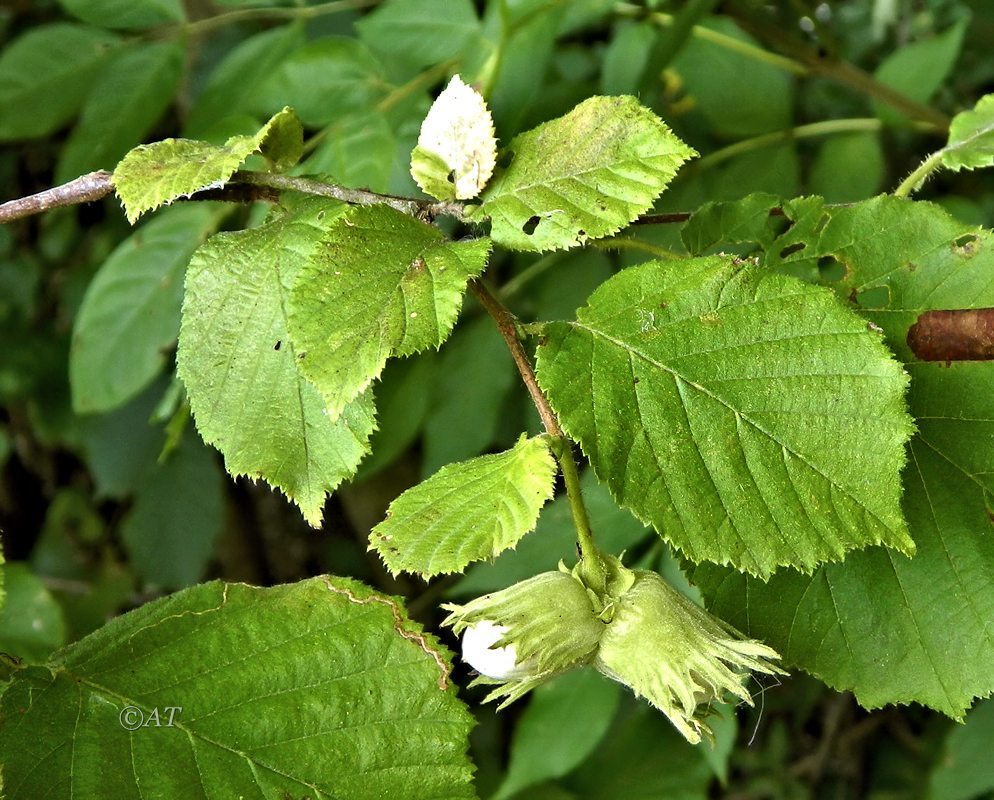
(831, 269)
(451, 177)
(966, 245)
(278, 345)
(531, 224)
(822, 222)
(791, 249)
(505, 159)
(876, 297)
(779, 224)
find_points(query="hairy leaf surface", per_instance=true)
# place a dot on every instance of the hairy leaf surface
(239, 365)
(746, 415)
(322, 688)
(583, 176)
(154, 174)
(893, 629)
(467, 511)
(379, 284)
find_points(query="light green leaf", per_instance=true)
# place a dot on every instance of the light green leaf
(965, 769)
(888, 628)
(45, 75)
(31, 622)
(152, 175)
(467, 511)
(232, 84)
(971, 137)
(239, 365)
(700, 388)
(420, 32)
(130, 313)
(583, 176)
(322, 688)
(128, 98)
(380, 284)
(126, 14)
(563, 723)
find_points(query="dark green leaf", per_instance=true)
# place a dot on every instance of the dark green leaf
(128, 97)
(130, 315)
(321, 689)
(126, 14)
(420, 32)
(45, 75)
(966, 770)
(700, 388)
(31, 623)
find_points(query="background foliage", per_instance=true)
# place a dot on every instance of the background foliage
(109, 498)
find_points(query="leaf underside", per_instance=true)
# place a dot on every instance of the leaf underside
(699, 389)
(467, 511)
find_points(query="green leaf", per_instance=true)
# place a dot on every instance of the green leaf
(126, 14)
(700, 389)
(233, 83)
(889, 628)
(31, 622)
(965, 769)
(130, 314)
(469, 391)
(323, 81)
(239, 365)
(467, 511)
(380, 284)
(583, 176)
(128, 98)
(322, 688)
(171, 529)
(918, 70)
(358, 152)
(152, 175)
(554, 538)
(971, 137)
(563, 723)
(725, 223)
(45, 75)
(848, 168)
(420, 32)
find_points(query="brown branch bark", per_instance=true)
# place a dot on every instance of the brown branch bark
(84, 189)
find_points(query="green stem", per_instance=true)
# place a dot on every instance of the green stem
(824, 128)
(595, 571)
(202, 26)
(915, 180)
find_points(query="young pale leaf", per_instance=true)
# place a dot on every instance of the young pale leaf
(239, 365)
(457, 148)
(467, 511)
(321, 689)
(700, 389)
(888, 628)
(129, 317)
(154, 174)
(971, 137)
(380, 284)
(583, 176)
